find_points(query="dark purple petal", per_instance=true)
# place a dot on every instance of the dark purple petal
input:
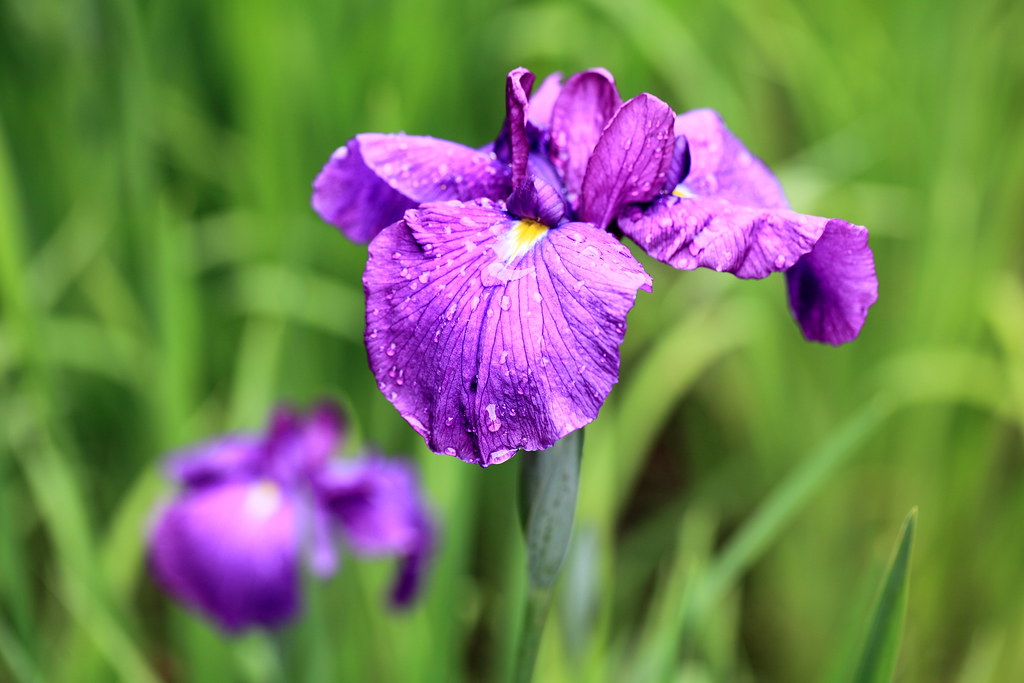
(377, 504)
(680, 166)
(491, 334)
(231, 552)
(412, 569)
(372, 180)
(537, 200)
(720, 166)
(832, 287)
(298, 445)
(238, 456)
(587, 102)
(543, 101)
(517, 95)
(630, 161)
(694, 232)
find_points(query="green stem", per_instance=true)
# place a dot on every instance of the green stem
(548, 485)
(535, 613)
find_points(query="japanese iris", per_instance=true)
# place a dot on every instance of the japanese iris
(497, 288)
(229, 545)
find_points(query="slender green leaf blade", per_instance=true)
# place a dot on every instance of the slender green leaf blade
(878, 660)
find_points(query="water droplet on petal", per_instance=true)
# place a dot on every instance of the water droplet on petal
(493, 423)
(391, 349)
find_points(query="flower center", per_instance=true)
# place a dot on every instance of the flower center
(262, 499)
(521, 238)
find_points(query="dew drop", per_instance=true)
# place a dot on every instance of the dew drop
(391, 349)
(493, 423)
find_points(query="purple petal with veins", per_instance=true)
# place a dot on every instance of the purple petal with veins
(371, 181)
(585, 105)
(517, 95)
(490, 333)
(697, 232)
(630, 161)
(537, 200)
(832, 287)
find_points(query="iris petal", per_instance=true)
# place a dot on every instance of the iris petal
(228, 458)
(485, 348)
(630, 161)
(832, 287)
(231, 552)
(699, 232)
(721, 166)
(586, 103)
(371, 181)
(377, 505)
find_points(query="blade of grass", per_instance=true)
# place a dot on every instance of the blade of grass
(768, 521)
(878, 661)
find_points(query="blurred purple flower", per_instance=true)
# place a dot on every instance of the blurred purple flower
(229, 545)
(494, 318)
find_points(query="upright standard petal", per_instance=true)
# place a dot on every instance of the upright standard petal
(630, 161)
(721, 166)
(298, 445)
(542, 102)
(490, 333)
(517, 97)
(832, 287)
(231, 552)
(371, 181)
(695, 232)
(585, 105)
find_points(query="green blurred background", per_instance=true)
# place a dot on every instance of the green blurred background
(163, 279)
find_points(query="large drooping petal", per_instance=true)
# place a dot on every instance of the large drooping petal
(721, 166)
(491, 334)
(376, 503)
(630, 160)
(231, 552)
(832, 287)
(586, 103)
(699, 232)
(374, 178)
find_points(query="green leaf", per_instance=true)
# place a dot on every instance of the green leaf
(878, 659)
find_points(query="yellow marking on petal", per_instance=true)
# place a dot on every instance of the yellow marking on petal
(681, 191)
(521, 238)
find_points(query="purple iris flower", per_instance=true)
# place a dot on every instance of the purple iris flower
(250, 506)
(497, 291)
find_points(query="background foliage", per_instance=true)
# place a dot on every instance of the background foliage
(163, 279)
